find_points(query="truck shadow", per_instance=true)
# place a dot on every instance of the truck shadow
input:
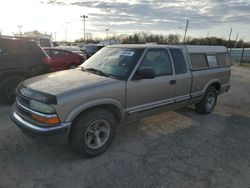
(3, 103)
(131, 138)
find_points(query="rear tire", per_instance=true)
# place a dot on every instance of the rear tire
(208, 102)
(8, 88)
(93, 132)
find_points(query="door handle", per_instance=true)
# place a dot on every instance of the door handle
(172, 82)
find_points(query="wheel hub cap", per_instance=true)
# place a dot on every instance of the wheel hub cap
(97, 134)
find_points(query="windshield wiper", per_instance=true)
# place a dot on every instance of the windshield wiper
(95, 71)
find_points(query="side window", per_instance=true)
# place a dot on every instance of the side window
(159, 60)
(212, 60)
(223, 59)
(198, 61)
(179, 61)
(57, 53)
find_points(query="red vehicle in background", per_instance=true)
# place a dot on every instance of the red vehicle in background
(63, 59)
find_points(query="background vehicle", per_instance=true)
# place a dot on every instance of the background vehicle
(41, 41)
(19, 60)
(63, 59)
(117, 84)
(92, 48)
(74, 49)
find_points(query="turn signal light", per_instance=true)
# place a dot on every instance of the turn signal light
(52, 120)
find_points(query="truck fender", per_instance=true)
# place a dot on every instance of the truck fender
(95, 103)
(210, 83)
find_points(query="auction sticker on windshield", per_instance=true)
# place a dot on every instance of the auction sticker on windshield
(126, 53)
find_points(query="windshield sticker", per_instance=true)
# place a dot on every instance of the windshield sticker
(126, 53)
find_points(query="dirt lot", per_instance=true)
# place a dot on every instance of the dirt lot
(174, 149)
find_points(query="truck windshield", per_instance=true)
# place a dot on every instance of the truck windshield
(115, 62)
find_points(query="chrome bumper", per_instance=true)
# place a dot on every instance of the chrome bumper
(37, 130)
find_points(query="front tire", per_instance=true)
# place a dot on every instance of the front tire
(208, 102)
(9, 87)
(93, 132)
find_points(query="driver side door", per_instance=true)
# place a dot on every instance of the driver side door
(148, 95)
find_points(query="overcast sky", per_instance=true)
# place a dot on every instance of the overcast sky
(215, 17)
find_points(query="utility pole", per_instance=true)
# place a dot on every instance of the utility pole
(65, 31)
(234, 43)
(84, 17)
(55, 35)
(243, 49)
(20, 29)
(184, 40)
(236, 40)
(228, 44)
(207, 38)
(107, 33)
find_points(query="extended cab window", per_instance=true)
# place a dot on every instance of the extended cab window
(159, 60)
(198, 61)
(179, 61)
(212, 60)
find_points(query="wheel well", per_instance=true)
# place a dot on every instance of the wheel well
(112, 108)
(10, 74)
(217, 86)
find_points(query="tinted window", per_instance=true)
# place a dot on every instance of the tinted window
(198, 61)
(212, 60)
(223, 59)
(179, 61)
(1, 48)
(20, 51)
(159, 60)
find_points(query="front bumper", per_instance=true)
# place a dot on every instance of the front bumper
(35, 129)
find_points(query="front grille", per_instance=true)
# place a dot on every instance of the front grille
(25, 102)
(21, 111)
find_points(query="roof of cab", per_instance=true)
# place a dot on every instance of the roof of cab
(206, 49)
(144, 46)
(190, 48)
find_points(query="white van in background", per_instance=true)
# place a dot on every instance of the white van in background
(44, 40)
(40, 40)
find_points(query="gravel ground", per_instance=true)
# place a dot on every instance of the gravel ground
(174, 149)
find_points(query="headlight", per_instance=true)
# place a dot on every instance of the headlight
(41, 107)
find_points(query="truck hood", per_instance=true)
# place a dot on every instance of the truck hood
(65, 81)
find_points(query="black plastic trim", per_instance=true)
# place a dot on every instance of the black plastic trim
(46, 98)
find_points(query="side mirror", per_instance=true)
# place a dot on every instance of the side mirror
(144, 73)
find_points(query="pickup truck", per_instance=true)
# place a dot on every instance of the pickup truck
(120, 83)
